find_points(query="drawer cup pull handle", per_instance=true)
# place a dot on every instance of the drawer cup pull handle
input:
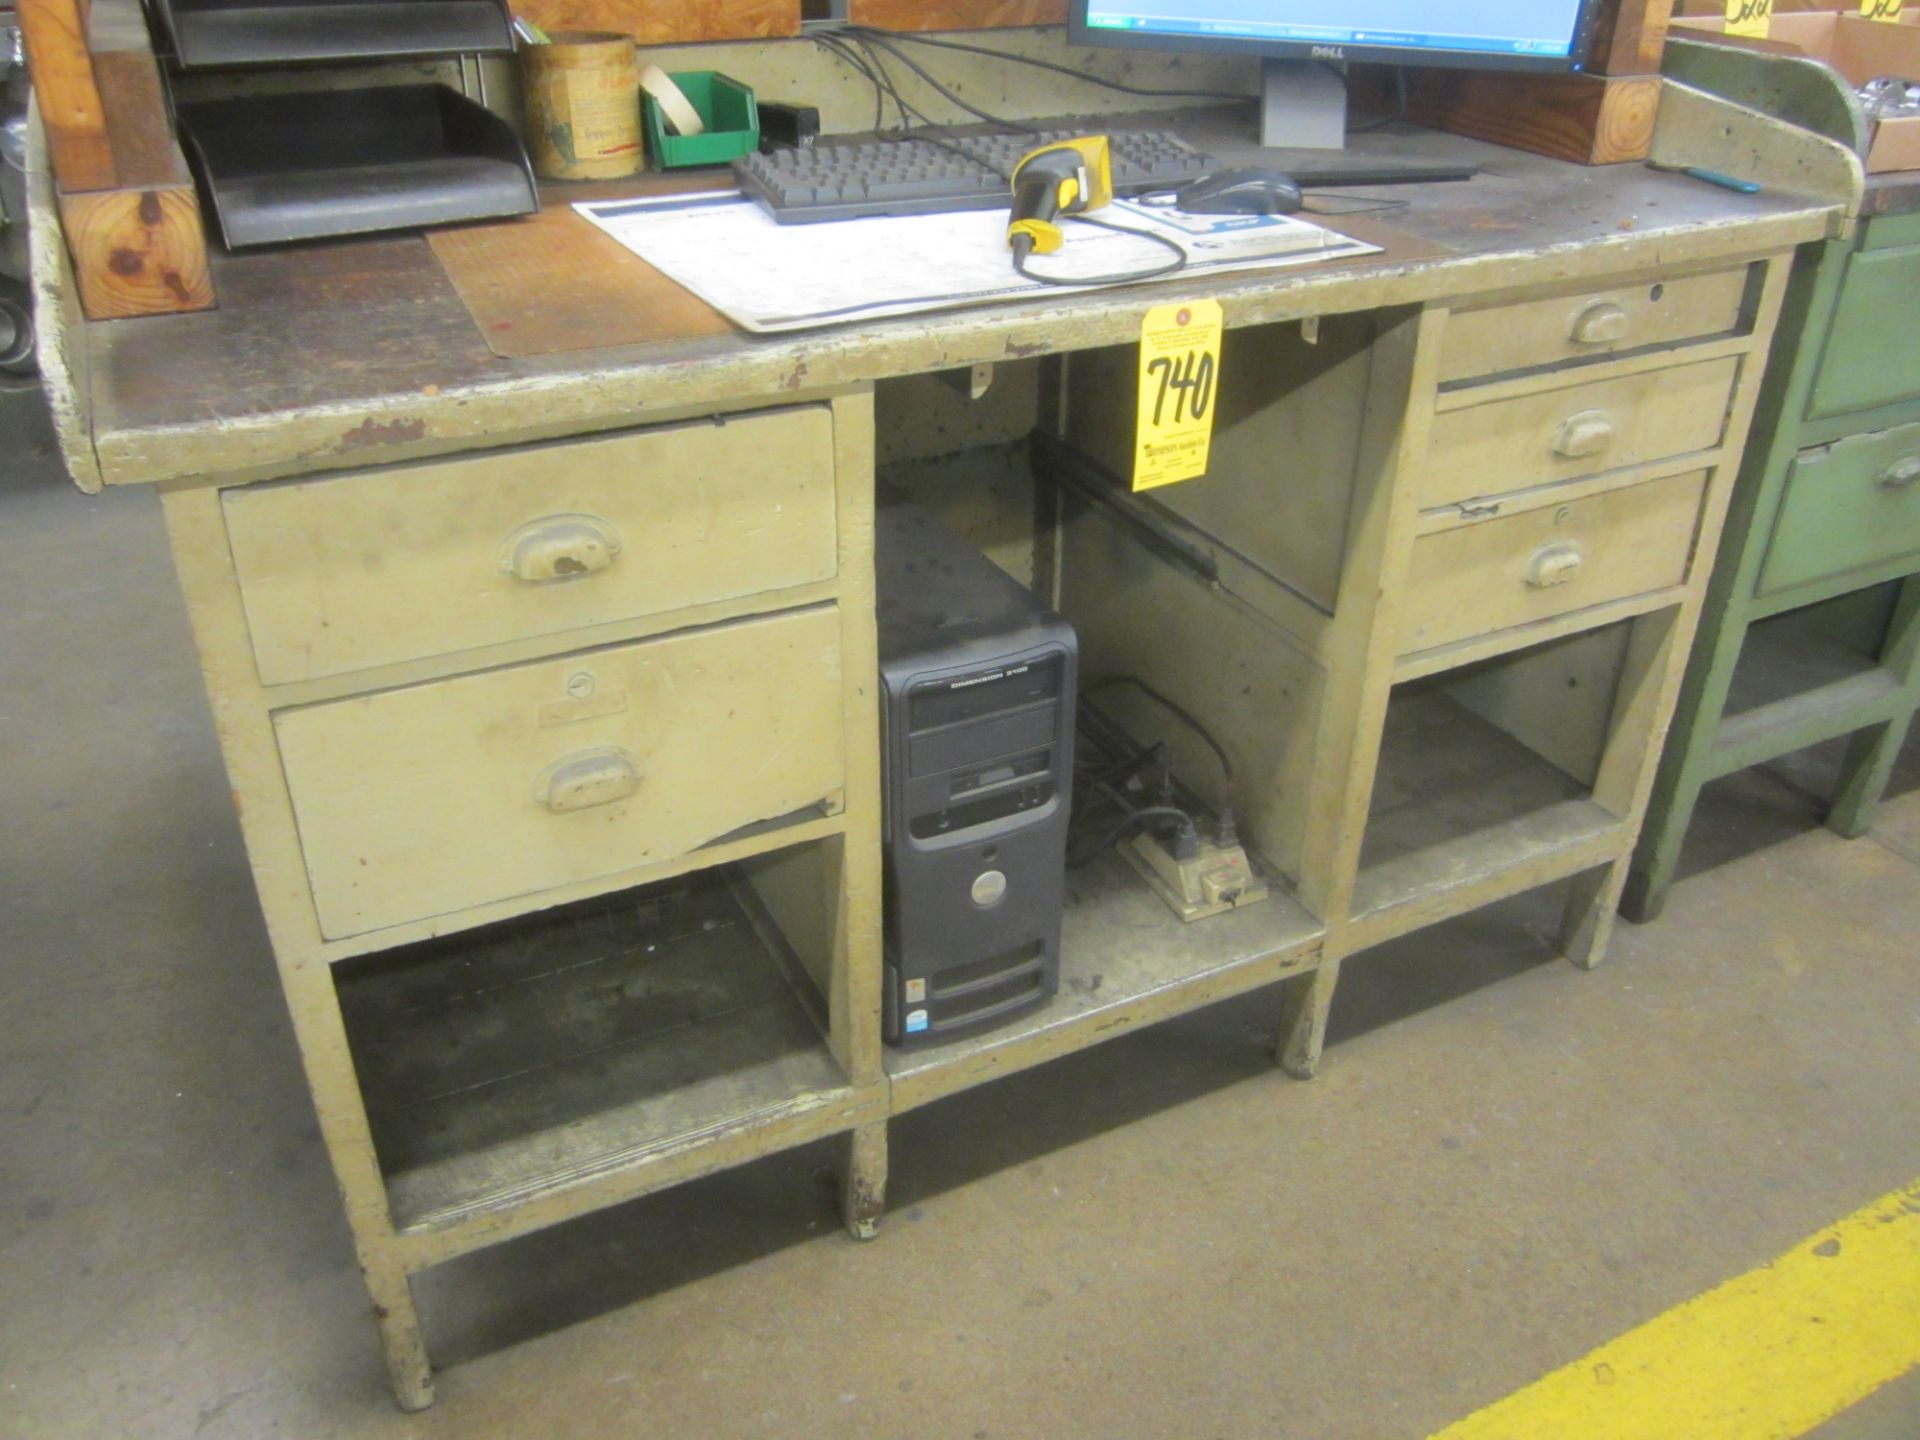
(560, 547)
(588, 779)
(1555, 565)
(1583, 436)
(1901, 474)
(1601, 323)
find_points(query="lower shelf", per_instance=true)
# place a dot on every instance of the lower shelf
(1463, 813)
(1794, 686)
(539, 1056)
(1125, 961)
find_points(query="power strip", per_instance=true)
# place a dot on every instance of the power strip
(1217, 879)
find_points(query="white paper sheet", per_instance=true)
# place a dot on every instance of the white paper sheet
(771, 277)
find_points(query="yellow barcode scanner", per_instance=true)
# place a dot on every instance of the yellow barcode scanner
(1064, 179)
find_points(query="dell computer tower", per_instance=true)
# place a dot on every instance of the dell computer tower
(977, 684)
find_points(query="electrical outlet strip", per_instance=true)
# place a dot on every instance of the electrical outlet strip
(1215, 881)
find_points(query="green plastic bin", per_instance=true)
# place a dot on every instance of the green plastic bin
(727, 107)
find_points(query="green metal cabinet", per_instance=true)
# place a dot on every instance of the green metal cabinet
(1811, 629)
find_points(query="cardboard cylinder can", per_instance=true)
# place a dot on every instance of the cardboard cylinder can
(583, 106)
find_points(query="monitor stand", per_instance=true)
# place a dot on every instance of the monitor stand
(1303, 106)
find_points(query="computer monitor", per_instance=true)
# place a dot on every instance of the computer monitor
(1305, 99)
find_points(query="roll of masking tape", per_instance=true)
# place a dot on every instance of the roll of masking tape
(681, 117)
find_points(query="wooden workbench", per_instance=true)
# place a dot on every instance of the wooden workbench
(1442, 577)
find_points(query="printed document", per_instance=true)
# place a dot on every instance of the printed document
(770, 277)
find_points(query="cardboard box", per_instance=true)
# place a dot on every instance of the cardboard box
(1861, 50)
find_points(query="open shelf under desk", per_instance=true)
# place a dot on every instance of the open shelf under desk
(579, 1047)
(1793, 687)
(1464, 814)
(1125, 961)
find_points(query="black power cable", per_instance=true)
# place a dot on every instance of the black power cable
(1236, 97)
(1399, 104)
(1185, 834)
(868, 62)
(850, 57)
(883, 39)
(1022, 250)
(1174, 708)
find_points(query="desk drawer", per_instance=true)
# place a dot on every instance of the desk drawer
(432, 798)
(1869, 358)
(1585, 429)
(1849, 505)
(1591, 324)
(344, 574)
(1476, 579)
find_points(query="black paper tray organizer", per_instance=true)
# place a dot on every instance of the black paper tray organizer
(350, 162)
(281, 32)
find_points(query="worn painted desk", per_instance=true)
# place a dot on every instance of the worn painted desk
(1435, 597)
(1812, 625)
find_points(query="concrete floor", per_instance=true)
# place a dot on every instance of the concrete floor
(1505, 1162)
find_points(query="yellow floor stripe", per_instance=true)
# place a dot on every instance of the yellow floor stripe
(1767, 1356)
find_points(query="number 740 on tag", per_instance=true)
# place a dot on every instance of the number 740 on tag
(1179, 379)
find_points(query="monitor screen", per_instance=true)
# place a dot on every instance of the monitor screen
(1528, 34)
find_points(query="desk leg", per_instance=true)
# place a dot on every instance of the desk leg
(391, 1290)
(1872, 752)
(1588, 923)
(1864, 775)
(1657, 860)
(863, 1179)
(1306, 1001)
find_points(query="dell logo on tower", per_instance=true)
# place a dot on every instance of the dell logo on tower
(1329, 52)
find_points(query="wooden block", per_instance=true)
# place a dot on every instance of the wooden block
(1631, 37)
(1589, 119)
(137, 252)
(126, 200)
(956, 14)
(141, 247)
(145, 154)
(70, 105)
(655, 24)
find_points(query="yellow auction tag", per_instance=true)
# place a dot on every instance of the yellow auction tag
(1179, 377)
(1888, 10)
(1750, 17)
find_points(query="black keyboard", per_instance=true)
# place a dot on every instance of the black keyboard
(846, 179)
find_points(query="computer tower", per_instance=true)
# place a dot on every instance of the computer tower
(977, 687)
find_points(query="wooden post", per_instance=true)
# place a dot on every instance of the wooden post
(1588, 119)
(56, 36)
(1631, 37)
(126, 200)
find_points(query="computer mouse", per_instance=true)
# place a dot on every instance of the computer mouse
(1239, 192)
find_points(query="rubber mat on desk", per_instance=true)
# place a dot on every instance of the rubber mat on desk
(551, 283)
(1398, 246)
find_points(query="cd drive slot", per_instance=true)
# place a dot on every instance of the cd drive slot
(969, 782)
(983, 740)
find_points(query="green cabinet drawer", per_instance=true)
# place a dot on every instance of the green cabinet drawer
(1870, 358)
(1848, 505)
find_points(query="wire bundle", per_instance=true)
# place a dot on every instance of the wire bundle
(867, 50)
